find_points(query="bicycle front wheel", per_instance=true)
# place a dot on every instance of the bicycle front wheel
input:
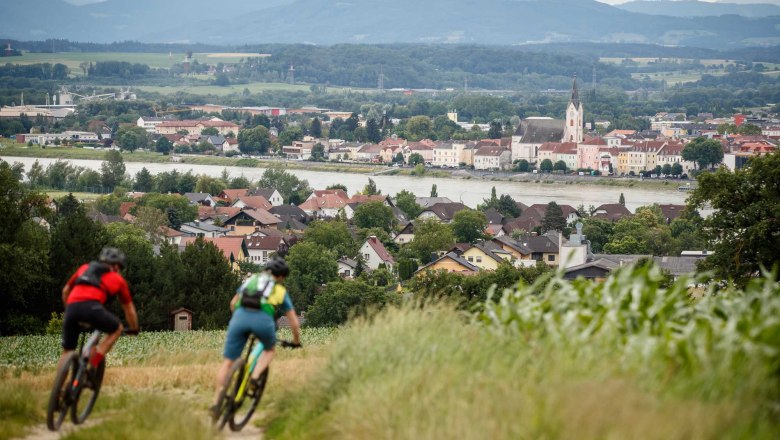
(244, 410)
(60, 399)
(86, 396)
(227, 395)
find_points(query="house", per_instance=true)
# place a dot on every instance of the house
(202, 229)
(203, 199)
(601, 265)
(209, 214)
(231, 195)
(453, 154)
(230, 145)
(368, 153)
(104, 219)
(672, 212)
(569, 212)
(443, 212)
(248, 221)
(492, 157)
(233, 248)
(347, 267)
(196, 127)
(290, 224)
(486, 256)
(406, 235)
(252, 202)
(424, 148)
(149, 123)
(262, 248)
(544, 248)
(172, 235)
(588, 153)
(325, 203)
(290, 211)
(531, 134)
(520, 254)
(427, 202)
(450, 262)
(612, 212)
(671, 153)
(375, 254)
(270, 194)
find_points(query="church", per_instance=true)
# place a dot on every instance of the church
(535, 131)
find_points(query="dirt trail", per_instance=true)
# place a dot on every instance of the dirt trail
(41, 432)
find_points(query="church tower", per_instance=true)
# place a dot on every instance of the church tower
(573, 131)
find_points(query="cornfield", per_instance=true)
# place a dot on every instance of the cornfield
(34, 352)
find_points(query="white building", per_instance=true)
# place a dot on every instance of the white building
(375, 254)
(149, 123)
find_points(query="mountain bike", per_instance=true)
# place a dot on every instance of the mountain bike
(237, 399)
(75, 388)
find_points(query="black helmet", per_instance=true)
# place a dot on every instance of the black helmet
(277, 267)
(112, 255)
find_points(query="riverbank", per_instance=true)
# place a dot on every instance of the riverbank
(70, 153)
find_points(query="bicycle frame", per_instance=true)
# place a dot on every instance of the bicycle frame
(252, 357)
(86, 349)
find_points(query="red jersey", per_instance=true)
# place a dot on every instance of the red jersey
(111, 283)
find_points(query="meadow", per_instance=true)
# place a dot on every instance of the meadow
(154, 60)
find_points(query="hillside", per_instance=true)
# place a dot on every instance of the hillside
(375, 21)
(695, 8)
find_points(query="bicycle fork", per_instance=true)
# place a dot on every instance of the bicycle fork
(253, 358)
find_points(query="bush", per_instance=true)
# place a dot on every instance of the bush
(342, 300)
(54, 326)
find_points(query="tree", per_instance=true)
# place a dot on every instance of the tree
(341, 300)
(151, 220)
(743, 229)
(340, 186)
(112, 170)
(598, 232)
(430, 237)
(418, 128)
(704, 152)
(311, 267)
(318, 152)
(495, 131)
(187, 182)
(553, 218)
(406, 201)
(469, 226)
(522, 166)
(177, 208)
(749, 130)
(290, 134)
(560, 166)
(374, 215)
(372, 131)
(333, 235)
(209, 131)
(666, 170)
(144, 182)
(163, 145)
(546, 166)
(399, 158)
(416, 159)
(370, 189)
(210, 185)
(292, 189)
(677, 169)
(24, 245)
(254, 140)
(315, 129)
(507, 206)
(622, 199)
(131, 138)
(434, 192)
(222, 80)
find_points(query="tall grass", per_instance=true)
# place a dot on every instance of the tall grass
(622, 359)
(18, 405)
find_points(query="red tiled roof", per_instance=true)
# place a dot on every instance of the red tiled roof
(233, 194)
(594, 141)
(360, 198)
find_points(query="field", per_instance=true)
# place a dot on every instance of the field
(630, 357)
(672, 77)
(226, 90)
(155, 60)
(157, 385)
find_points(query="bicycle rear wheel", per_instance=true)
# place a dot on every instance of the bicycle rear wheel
(227, 395)
(59, 399)
(86, 396)
(240, 419)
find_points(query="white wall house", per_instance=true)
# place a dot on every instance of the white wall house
(375, 254)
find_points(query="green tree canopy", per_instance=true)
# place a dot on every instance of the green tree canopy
(469, 226)
(546, 166)
(705, 152)
(553, 218)
(112, 170)
(333, 235)
(144, 182)
(254, 140)
(132, 137)
(430, 237)
(163, 145)
(418, 128)
(743, 230)
(341, 300)
(406, 201)
(311, 267)
(292, 189)
(374, 215)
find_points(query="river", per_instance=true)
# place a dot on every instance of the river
(470, 192)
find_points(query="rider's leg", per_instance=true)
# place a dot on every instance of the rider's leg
(107, 342)
(222, 376)
(65, 353)
(262, 363)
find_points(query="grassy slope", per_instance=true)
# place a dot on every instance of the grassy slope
(426, 374)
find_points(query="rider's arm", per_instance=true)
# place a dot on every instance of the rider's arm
(233, 303)
(65, 293)
(131, 315)
(295, 326)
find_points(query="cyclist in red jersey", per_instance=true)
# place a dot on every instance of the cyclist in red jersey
(85, 296)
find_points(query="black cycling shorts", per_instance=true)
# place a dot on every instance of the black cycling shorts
(81, 316)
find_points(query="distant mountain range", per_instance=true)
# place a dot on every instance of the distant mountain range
(236, 22)
(695, 8)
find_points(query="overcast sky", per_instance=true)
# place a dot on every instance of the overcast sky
(611, 2)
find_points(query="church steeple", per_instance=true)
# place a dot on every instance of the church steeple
(575, 95)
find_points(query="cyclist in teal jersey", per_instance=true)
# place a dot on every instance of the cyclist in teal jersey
(255, 307)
